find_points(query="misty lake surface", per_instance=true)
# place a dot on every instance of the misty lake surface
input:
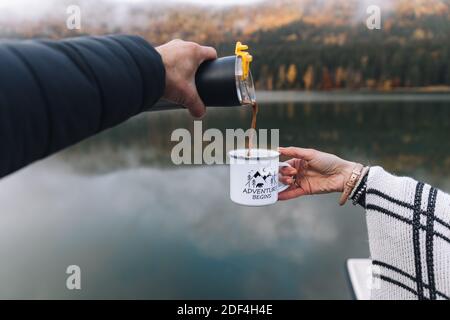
(141, 227)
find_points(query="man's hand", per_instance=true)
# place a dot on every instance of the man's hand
(313, 172)
(181, 60)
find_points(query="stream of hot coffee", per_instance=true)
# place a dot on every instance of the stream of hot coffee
(250, 138)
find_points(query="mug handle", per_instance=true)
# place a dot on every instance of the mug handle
(281, 186)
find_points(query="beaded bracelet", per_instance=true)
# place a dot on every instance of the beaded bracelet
(351, 183)
(359, 193)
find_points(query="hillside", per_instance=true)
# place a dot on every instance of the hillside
(297, 44)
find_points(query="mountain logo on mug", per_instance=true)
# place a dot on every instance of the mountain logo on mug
(254, 181)
(260, 182)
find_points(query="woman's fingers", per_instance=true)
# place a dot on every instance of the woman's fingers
(301, 153)
(287, 180)
(288, 171)
(291, 193)
(299, 163)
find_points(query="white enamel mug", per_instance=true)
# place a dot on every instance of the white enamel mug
(254, 179)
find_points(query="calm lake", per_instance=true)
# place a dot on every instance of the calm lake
(141, 227)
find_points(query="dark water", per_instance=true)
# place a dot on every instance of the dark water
(140, 227)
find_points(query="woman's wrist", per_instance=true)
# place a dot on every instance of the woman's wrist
(347, 168)
(350, 183)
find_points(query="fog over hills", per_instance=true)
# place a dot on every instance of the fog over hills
(297, 44)
(196, 20)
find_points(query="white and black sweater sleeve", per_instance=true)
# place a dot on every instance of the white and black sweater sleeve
(409, 236)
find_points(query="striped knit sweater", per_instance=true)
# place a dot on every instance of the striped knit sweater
(409, 237)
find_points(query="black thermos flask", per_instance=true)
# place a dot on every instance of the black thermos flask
(224, 82)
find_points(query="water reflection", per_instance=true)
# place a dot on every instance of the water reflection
(140, 227)
(405, 137)
(159, 233)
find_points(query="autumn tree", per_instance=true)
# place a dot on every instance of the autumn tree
(308, 78)
(281, 77)
(292, 74)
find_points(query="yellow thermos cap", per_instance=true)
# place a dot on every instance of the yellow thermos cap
(246, 58)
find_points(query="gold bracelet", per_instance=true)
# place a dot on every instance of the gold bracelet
(351, 183)
(363, 173)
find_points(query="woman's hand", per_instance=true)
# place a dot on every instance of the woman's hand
(181, 60)
(313, 172)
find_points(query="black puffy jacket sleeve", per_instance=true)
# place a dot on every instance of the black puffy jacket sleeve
(56, 93)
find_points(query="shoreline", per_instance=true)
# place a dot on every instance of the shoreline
(284, 96)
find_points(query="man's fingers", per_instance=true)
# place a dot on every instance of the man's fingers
(300, 153)
(195, 105)
(291, 193)
(207, 53)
